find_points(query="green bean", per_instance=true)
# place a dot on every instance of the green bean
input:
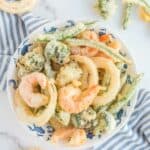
(90, 24)
(123, 79)
(66, 33)
(100, 46)
(126, 97)
(127, 14)
(142, 3)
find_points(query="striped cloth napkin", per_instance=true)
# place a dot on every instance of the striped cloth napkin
(134, 136)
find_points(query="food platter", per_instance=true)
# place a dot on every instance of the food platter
(45, 132)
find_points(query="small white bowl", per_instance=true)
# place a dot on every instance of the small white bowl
(46, 131)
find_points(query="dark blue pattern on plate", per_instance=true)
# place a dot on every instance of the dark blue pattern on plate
(102, 31)
(70, 23)
(119, 114)
(13, 83)
(37, 129)
(90, 135)
(50, 30)
(44, 131)
(25, 49)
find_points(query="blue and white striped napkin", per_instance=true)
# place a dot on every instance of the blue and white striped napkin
(13, 29)
(134, 136)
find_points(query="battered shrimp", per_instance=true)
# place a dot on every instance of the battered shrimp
(40, 118)
(73, 100)
(89, 35)
(74, 136)
(114, 85)
(86, 51)
(28, 89)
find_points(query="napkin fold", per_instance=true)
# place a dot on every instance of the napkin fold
(13, 29)
(134, 136)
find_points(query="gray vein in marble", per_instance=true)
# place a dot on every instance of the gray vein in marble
(46, 8)
(12, 138)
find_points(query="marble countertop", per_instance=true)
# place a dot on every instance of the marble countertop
(136, 37)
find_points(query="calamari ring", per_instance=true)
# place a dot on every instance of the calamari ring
(17, 7)
(90, 67)
(114, 86)
(26, 115)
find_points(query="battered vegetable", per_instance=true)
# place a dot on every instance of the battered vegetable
(106, 8)
(127, 93)
(106, 123)
(85, 119)
(68, 73)
(57, 52)
(32, 61)
(61, 35)
(142, 3)
(127, 14)
(63, 117)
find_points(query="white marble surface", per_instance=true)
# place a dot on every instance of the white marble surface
(137, 39)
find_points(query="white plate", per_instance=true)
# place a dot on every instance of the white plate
(45, 132)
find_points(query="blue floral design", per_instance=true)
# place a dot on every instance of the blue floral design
(90, 135)
(25, 49)
(13, 83)
(102, 31)
(50, 30)
(37, 129)
(70, 23)
(45, 131)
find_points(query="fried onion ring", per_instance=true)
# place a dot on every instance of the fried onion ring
(17, 7)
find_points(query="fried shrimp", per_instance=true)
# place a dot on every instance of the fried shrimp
(25, 113)
(73, 100)
(28, 89)
(73, 136)
(89, 35)
(114, 85)
(86, 51)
